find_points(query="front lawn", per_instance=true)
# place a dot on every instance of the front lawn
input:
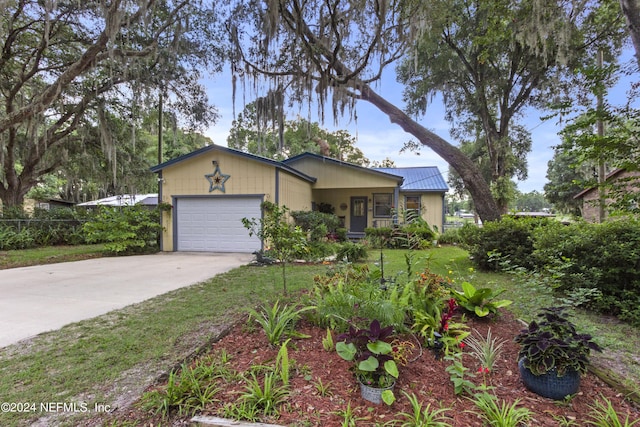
(111, 359)
(49, 255)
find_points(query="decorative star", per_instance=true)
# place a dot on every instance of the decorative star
(217, 179)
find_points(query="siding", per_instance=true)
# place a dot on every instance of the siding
(246, 176)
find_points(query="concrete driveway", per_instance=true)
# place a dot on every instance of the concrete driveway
(44, 298)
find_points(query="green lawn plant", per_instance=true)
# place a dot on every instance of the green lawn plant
(278, 322)
(266, 395)
(603, 414)
(458, 373)
(421, 416)
(186, 392)
(501, 414)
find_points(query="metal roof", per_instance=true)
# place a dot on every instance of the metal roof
(424, 178)
(125, 200)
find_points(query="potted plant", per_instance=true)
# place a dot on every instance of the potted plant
(374, 366)
(553, 355)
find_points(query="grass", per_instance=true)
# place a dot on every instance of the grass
(48, 255)
(83, 361)
(93, 361)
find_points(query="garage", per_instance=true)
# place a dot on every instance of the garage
(214, 224)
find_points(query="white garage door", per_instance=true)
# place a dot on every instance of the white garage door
(214, 224)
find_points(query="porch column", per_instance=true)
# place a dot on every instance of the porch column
(396, 202)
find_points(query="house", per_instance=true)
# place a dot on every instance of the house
(619, 180)
(211, 189)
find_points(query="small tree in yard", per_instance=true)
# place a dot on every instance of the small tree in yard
(285, 239)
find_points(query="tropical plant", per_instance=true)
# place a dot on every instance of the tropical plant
(352, 295)
(485, 349)
(434, 323)
(278, 322)
(554, 344)
(479, 301)
(322, 388)
(283, 366)
(372, 356)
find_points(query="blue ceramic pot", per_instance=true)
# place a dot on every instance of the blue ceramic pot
(550, 384)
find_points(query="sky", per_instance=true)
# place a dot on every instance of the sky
(378, 138)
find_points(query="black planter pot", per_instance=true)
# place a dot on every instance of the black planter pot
(550, 384)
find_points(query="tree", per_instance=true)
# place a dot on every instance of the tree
(533, 201)
(491, 60)
(253, 133)
(315, 49)
(286, 240)
(631, 11)
(68, 68)
(599, 138)
(565, 179)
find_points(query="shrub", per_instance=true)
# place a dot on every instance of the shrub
(378, 237)
(352, 252)
(511, 237)
(129, 229)
(451, 236)
(60, 226)
(601, 256)
(317, 224)
(416, 235)
(317, 251)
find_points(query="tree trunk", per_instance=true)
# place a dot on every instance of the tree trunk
(485, 204)
(631, 10)
(12, 195)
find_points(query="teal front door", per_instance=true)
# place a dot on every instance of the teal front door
(358, 214)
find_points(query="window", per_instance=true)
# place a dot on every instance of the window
(382, 204)
(412, 207)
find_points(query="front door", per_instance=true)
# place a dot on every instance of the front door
(358, 214)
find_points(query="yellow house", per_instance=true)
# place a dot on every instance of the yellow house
(210, 190)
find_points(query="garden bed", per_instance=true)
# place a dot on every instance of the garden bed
(323, 389)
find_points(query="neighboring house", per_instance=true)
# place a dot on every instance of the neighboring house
(620, 180)
(212, 189)
(124, 200)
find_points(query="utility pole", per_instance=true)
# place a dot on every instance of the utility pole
(160, 127)
(602, 196)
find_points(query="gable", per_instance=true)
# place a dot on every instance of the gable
(331, 173)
